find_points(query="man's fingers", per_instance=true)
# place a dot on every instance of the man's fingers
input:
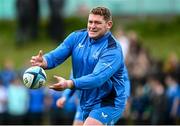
(33, 63)
(53, 86)
(40, 53)
(60, 85)
(60, 102)
(56, 87)
(58, 78)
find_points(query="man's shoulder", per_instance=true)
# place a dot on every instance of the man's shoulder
(81, 31)
(112, 43)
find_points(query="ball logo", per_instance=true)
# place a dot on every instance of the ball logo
(25, 80)
(41, 83)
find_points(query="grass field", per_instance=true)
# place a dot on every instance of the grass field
(160, 38)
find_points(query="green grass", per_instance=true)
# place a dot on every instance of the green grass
(162, 46)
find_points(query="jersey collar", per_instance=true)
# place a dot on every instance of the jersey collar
(105, 36)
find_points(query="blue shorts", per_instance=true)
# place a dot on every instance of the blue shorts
(106, 115)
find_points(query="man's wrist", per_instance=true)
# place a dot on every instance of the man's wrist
(44, 64)
(70, 84)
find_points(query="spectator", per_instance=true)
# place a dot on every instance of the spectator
(121, 36)
(3, 103)
(28, 20)
(56, 26)
(8, 73)
(18, 99)
(63, 115)
(158, 99)
(138, 60)
(172, 63)
(56, 116)
(36, 106)
(139, 106)
(175, 112)
(171, 94)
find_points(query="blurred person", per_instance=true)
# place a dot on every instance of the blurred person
(172, 93)
(37, 106)
(3, 103)
(98, 69)
(131, 56)
(56, 27)
(139, 101)
(63, 101)
(71, 108)
(8, 73)
(122, 38)
(17, 100)
(172, 63)
(55, 113)
(141, 66)
(59, 116)
(157, 98)
(175, 112)
(28, 20)
(138, 60)
(134, 47)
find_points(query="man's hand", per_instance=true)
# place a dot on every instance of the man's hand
(60, 102)
(38, 60)
(62, 84)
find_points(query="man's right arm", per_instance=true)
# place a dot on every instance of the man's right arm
(61, 53)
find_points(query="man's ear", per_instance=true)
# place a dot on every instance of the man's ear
(109, 24)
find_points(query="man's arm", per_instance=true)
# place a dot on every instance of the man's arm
(108, 64)
(61, 53)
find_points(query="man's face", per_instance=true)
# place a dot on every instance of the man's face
(97, 26)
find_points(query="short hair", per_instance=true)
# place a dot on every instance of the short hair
(102, 11)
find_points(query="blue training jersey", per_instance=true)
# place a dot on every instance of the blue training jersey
(98, 68)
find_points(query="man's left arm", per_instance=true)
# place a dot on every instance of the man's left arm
(108, 64)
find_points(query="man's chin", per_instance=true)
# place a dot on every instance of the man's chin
(93, 36)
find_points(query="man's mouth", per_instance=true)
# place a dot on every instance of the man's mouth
(93, 31)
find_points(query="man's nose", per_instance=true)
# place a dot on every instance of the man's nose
(93, 25)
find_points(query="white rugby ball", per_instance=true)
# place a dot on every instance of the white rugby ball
(34, 77)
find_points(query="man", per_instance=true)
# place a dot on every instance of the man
(99, 72)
